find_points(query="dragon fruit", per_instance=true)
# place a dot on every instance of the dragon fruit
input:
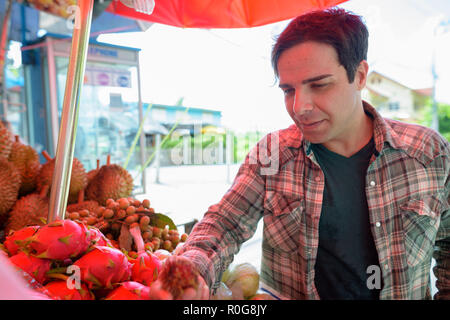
(103, 266)
(146, 268)
(16, 239)
(58, 290)
(35, 267)
(96, 237)
(129, 290)
(60, 240)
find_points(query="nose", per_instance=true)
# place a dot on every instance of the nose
(302, 103)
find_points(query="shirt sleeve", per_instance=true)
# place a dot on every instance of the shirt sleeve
(215, 239)
(442, 244)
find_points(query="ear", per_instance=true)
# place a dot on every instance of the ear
(361, 74)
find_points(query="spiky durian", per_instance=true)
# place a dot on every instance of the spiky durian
(9, 187)
(78, 178)
(111, 182)
(29, 210)
(26, 160)
(6, 141)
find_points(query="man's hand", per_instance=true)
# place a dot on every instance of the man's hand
(158, 292)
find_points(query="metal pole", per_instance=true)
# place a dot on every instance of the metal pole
(158, 156)
(3, 48)
(69, 118)
(434, 113)
(142, 138)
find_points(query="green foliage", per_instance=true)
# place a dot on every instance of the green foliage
(443, 116)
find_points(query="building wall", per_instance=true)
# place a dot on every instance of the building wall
(398, 100)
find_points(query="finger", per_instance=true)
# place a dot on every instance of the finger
(189, 294)
(156, 293)
(203, 289)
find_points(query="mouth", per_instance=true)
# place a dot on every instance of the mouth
(311, 125)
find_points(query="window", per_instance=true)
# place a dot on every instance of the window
(394, 106)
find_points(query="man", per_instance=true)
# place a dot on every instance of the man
(354, 205)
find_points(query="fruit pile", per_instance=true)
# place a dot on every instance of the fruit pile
(68, 260)
(108, 246)
(118, 219)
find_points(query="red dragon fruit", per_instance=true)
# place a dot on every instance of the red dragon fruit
(129, 290)
(96, 237)
(60, 240)
(103, 266)
(146, 268)
(35, 267)
(16, 239)
(58, 290)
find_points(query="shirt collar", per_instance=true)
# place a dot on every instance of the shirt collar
(383, 133)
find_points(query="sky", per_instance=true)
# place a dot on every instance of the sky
(229, 69)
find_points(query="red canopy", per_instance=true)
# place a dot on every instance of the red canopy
(222, 13)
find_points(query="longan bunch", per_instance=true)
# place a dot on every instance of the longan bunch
(110, 218)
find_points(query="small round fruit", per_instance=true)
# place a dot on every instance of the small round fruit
(121, 214)
(144, 221)
(131, 219)
(136, 203)
(104, 226)
(99, 211)
(167, 245)
(130, 210)
(108, 214)
(112, 205)
(146, 235)
(175, 239)
(91, 221)
(84, 213)
(184, 237)
(123, 203)
(157, 232)
(74, 215)
(146, 203)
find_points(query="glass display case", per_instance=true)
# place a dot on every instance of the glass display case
(110, 105)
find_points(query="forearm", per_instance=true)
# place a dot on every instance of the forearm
(215, 240)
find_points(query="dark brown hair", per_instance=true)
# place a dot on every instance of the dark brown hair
(344, 31)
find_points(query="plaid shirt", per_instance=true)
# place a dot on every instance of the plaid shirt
(280, 181)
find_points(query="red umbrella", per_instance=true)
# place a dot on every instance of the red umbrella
(222, 13)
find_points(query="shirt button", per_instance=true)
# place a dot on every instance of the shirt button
(378, 224)
(432, 222)
(372, 183)
(317, 179)
(386, 266)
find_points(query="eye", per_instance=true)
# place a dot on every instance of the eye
(288, 91)
(318, 85)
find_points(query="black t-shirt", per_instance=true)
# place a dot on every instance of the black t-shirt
(346, 245)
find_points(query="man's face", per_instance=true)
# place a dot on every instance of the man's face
(318, 95)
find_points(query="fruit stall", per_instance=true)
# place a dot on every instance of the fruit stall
(57, 218)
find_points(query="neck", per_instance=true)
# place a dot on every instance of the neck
(354, 138)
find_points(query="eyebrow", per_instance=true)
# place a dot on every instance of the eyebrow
(306, 81)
